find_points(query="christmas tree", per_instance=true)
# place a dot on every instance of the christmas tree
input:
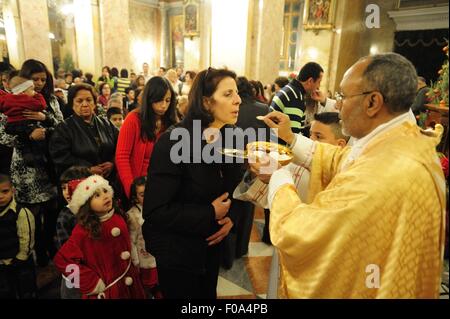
(438, 94)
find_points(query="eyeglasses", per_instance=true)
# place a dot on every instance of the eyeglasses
(339, 96)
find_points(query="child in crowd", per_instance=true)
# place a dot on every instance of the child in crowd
(66, 221)
(17, 273)
(99, 246)
(24, 98)
(115, 116)
(139, 255)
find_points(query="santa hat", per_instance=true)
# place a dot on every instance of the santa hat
(83, 189)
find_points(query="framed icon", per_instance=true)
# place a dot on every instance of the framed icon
(191, 18)
(319, 14)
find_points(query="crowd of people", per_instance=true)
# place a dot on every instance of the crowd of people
(92, 183)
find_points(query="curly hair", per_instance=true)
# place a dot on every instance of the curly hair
(90, 220)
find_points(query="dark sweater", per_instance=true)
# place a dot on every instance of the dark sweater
(177, 209)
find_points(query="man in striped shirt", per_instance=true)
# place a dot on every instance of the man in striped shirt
(291, 99)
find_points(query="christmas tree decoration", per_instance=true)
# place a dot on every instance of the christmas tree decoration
(438, 93)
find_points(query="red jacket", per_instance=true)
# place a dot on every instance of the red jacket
(132, 153)
(106, 258)
(13, 105)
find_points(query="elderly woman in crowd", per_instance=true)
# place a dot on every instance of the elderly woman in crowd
(84, 138)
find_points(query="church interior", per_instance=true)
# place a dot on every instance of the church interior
(262, 40)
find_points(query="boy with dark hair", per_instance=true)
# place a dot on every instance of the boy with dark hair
(66, 220)
(115, 116)
(129, 101)
(326, 128)
(17, 273)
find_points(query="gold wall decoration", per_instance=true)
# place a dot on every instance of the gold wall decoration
(319, 14)
(191, 15)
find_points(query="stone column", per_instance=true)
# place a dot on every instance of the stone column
(35, 31)
(85, 36)
(165, 46)
(267, 27)
(205, 35)
(114, 22)
(13, 31)
(347, 39)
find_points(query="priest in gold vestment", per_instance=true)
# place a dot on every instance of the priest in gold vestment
(373, 224)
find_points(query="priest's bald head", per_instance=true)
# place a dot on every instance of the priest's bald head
(375, 90)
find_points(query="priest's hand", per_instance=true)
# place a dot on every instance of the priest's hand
(216, 238)
(264, 168)
(221, 205)
(282, 124)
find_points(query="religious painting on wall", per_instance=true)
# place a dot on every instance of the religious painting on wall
(319, 14)
(191, 18)
(176, 40)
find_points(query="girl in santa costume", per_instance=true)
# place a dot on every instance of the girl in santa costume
(97, 255)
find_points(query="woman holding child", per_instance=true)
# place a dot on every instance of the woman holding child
(35, 184)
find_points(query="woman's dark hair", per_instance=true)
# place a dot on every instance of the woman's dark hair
(138, 78)
(281, 81)
(136, 94)
(245, 88)
(77, 73)
(89, 76)
(205, 84)
(124, 73)
(74, 172)
(30, 67)
(12, 74)
(100, 88)
(192, 74)
(138, 181)
(74, 89)
(154, 91)
(258, 87)
(114, 72)
(90, 220)
(107, 68)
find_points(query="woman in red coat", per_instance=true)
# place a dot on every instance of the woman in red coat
(97, 256)
(141, 128)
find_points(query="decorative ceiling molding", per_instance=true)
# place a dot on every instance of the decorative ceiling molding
(421, 18)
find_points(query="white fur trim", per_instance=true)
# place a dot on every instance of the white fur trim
(125, 255)
(115, 232)
(86, 190)
(128, 281)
